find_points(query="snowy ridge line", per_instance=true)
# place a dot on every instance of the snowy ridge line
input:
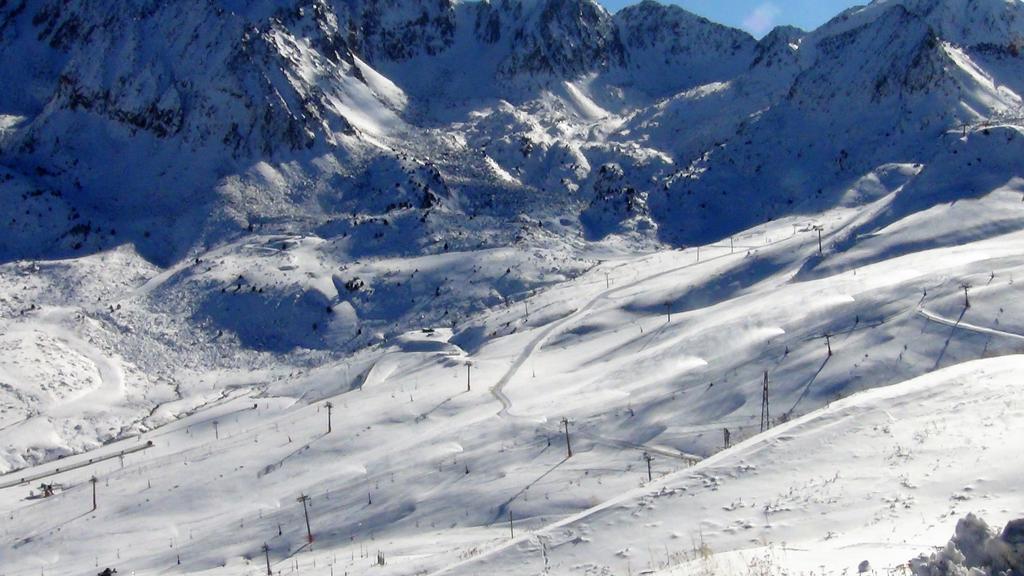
(966, 326)
(498, 390)
(759, 441)
(25, 479)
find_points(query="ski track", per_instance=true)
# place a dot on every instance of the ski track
(933, 317)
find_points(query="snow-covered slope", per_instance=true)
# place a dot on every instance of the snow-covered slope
(437, 435)
(879, 478)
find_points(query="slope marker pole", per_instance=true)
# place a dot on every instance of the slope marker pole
(765, 413)
(568, 443)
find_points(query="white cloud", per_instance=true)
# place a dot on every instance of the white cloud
(762, 19)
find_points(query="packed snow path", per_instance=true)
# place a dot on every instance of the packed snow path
(959, 323)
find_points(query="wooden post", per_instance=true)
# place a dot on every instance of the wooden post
(305, 510)
(469, 367)
(93, 480)
(828, 343)
(329, 407)
(266, 552)
(668, 311)
(607, 281)
(698, 253)
(216, 430)
(568, 443)
(648, 457)
(967, 300)
(732, 246)
(511, 528)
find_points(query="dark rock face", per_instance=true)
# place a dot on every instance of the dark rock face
(399, 29)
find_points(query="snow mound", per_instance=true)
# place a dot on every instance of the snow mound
(975, 550)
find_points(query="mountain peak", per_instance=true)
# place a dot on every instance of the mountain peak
(672, 49)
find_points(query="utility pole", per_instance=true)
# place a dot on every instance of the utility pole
(93, 481)
(329, 407)
(469, 367)
(309, 532)
(568, 444)
(649, 458)
(511, 529)
(266, 553)
(765, 413)
(828, 343)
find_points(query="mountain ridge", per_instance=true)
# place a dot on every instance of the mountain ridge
(324, 87)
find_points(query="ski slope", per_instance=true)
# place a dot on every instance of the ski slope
(880, 476)
(428, 473)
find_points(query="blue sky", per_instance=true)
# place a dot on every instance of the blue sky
(758, 16)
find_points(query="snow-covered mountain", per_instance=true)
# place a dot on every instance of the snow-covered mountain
(460, 222)
(128, 112)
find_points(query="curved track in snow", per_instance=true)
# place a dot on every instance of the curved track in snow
(933, 317)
